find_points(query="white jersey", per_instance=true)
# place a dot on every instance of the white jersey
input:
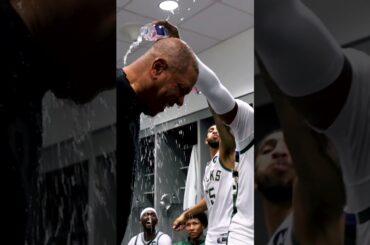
(160, 239)
(350, 133)
(284, 233)
(241, 230)
(217, 185)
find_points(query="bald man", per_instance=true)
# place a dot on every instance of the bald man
(158, 79)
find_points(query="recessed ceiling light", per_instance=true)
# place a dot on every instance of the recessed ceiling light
(168, 5)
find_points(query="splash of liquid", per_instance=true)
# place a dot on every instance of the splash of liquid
(133, 45)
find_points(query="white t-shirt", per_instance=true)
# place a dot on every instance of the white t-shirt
(160, 239)
(284, 233)
(241, 230)
(217, 186)
(350, 133)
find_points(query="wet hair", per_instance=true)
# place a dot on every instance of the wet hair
(178, 52)
(202, 217)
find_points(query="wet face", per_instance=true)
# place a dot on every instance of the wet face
(274, 169)
(169, 88)
(213, 137)
(149, 220)
(194, 228)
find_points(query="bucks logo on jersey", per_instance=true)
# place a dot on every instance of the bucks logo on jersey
(212, 176)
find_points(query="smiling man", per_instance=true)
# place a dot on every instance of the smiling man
(148, 219)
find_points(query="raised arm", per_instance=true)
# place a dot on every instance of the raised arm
(238, 114)
(219, 98)
(179, 223)
(227, 142)
(318, 198)
(303, 59)
(235, 113)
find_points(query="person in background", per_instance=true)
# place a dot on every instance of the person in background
(233, 200)
(195, 227)
(298, 175)
(150, 235)
(325, 83)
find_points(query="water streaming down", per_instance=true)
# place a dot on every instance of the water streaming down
(77, 174)
(133, 46)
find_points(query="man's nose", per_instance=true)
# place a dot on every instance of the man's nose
(280, 151)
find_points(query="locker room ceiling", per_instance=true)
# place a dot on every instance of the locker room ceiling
(348, 21)
(206, 23)
(202, 23)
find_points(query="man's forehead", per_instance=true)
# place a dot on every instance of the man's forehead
(274, 136)
(212, 127)
(190, 220)
(278, 135)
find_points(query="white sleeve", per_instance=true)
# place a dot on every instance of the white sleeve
(210, 85)
(165, 240)
(297, 50)
(243, 125)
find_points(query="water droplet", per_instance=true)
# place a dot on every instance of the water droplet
(133, 45)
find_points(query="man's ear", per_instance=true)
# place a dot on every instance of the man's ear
(158, 66)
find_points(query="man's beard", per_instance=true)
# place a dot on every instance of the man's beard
(275, 192)
(213, 144)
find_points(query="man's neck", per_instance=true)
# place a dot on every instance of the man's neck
(212, 151)
(275, 213)
(134, 74)
(149, 235)
(197, 240)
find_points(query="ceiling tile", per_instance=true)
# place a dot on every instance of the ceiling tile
(150, 9)
(219, 21)
(124, 18)
(245, 5)
(197, 42)
(121, 3)
(122, 48)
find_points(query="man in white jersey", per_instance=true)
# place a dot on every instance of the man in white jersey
(304, 206)
(328, 85)
(217, 185)
(240, 117)
(150, 236)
